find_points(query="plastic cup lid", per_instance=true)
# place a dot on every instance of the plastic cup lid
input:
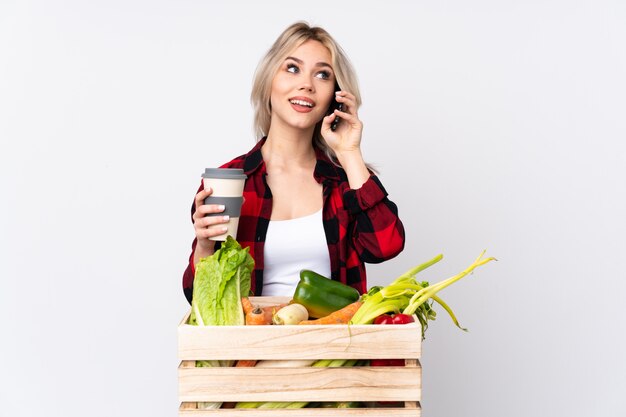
(224, 173)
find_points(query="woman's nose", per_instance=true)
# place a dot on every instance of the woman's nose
(307, 85)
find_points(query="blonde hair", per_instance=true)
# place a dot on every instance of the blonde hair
(291, 38)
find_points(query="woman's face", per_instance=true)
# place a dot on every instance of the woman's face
(303, 87)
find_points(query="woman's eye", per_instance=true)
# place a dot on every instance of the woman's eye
(292, 68)
(325, 75)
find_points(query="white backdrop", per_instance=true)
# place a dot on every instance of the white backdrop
(496, 125)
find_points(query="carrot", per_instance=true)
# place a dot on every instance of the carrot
(262, 316)
(247, 305)
(257, 317)
(342, 316)
(245, 363)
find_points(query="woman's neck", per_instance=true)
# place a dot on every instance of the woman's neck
(289, 147)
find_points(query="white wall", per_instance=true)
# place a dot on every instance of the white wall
(496, 125)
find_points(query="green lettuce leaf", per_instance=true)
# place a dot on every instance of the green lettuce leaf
(220, 281)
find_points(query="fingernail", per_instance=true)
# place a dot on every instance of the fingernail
(226, 218)
(221, 207)
(224, 229)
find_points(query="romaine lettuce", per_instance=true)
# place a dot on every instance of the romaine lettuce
(220, 281)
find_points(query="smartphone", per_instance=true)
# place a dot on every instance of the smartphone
(335, 105)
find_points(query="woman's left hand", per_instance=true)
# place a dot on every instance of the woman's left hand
(347, 136)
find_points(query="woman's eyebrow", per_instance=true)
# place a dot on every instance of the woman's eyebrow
(319, 64)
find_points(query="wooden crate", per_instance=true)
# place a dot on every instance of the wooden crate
(364, 383)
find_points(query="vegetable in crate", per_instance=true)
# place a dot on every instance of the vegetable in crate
(391, 319)
(322, 296)
(291, 314)
(405, 295)
(258, 315)
(342, 316)
(221, 280)
(409, 296)
(343, 404)
(394, 319)
(219, 284)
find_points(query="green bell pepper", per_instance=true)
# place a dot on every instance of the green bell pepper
(322, 296)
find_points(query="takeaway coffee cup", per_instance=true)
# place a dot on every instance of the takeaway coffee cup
(227, 185)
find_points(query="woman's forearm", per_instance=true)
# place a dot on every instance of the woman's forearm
(354, 165)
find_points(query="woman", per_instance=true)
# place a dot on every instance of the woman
(310, 201)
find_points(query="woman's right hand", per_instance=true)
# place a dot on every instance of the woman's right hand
(207, 226)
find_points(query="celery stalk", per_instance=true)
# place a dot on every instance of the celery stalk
(322, 363)
(411, 297)
(277, 405)
(449, 310)
(390, 305)
(209, 406)
(404, 294)
(249, 404)
(414, 271)
(296, 405)
(421, 296)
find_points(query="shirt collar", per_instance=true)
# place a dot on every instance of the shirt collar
(325, 169)
(253, 160)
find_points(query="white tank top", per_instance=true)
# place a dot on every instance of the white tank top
(290, 246)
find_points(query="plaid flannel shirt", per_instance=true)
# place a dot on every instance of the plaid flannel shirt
(361, 225)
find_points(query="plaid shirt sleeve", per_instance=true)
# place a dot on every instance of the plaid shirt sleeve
(362, 226)
(377, 232)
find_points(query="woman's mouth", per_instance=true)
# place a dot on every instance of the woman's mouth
(302, 104)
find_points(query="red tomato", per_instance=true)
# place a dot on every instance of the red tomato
(402, 319)
(387, 362)
(383, 319)
(387, 319)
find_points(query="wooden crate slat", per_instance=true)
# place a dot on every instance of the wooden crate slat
(269, 301)
(299, 342)
(300, 384)
(306, 412)
(188, 405)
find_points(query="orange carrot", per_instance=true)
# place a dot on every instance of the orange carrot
(247, 305)
(342, 316)
(257, 317)
(245, 363)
